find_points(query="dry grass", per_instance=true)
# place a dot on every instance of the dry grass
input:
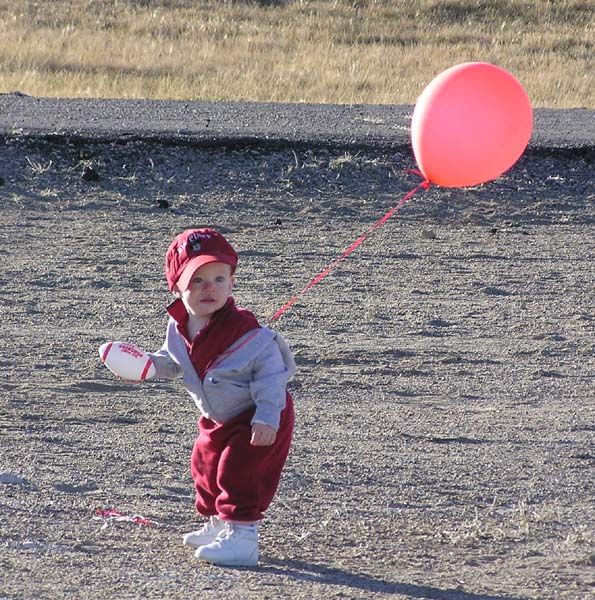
(317, 51)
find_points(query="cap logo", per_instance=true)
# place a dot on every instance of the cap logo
(194, 241)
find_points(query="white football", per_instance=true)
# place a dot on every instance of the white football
(127, 361)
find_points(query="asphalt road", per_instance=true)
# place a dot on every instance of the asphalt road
(240, 123)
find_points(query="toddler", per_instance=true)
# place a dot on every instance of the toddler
(236, 371)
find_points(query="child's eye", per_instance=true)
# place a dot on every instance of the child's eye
(197, 280)
(220, 279)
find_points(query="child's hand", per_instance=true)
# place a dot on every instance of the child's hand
(262, 435)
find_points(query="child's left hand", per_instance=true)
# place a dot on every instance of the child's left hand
(262, 435)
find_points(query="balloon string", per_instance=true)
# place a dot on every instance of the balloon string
(360, 240)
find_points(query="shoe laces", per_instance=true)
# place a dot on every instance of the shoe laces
(212, 523)
(230, 528)
(227, 531)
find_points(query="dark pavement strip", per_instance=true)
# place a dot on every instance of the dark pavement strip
(245, 123)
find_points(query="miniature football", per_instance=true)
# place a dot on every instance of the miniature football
(127, 361)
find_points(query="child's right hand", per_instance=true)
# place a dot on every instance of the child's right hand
(263, 435)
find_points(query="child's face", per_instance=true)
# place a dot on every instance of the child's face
(209, 290)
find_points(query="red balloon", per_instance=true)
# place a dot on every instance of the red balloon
(470, 124)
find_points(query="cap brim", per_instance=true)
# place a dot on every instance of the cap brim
(196, 263)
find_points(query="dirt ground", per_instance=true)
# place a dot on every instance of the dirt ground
(445, 417)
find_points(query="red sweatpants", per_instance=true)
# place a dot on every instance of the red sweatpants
(233, 479)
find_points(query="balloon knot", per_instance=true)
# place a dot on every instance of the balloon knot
(426, 183)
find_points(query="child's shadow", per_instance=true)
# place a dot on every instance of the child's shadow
(324, 574)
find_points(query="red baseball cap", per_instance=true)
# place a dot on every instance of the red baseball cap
(193, 249)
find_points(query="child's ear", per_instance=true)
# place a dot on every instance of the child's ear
(176, 292)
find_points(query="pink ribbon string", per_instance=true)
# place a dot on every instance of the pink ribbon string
(424, 185)
(112, 514)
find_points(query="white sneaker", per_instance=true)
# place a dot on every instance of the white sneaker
(208, 533)
(237, 545)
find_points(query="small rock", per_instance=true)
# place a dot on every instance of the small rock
(583, 456)
(1, 180)
(494, 291)
(439, 323)
(90, 174)
(32, 545)
(545, 373)
(428, 234)
(162, 204)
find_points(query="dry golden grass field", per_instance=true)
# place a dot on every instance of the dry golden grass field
(369, 51)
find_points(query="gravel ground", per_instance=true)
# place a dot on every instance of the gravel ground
(444, 439)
